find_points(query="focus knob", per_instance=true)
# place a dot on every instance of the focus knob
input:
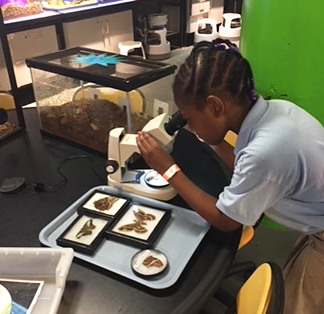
(112, 166)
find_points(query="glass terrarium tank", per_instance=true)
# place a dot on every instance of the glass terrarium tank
(18, 8)
(82, 94)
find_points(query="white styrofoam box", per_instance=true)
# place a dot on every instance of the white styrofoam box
(102, 33)
(28, 44)
(50, 265)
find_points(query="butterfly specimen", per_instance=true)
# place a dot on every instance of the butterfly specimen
(139, 222)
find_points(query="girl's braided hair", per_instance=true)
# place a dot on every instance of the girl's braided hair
(215, 66)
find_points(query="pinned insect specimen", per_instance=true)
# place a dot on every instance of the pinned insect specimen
(141, 215)
(152, 261)
(137, 227)
(139, 222)
(86, 229)
(105, 203)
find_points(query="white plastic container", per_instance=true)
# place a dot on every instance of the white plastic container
(231, 28)
(206, 29)
(49, 265)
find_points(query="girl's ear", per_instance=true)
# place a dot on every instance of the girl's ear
(216, 105)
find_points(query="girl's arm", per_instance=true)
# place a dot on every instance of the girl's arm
(203, 203)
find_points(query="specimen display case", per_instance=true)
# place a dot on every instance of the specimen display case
(18, 8)
(84, 234)
(12, 9)
(139, 226)
(82, 94)
(104, 205)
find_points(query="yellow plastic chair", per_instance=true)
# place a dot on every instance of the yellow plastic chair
(262, 292)
(6, 101)
(247, 231)
(263, 288)
(246, 236)
(245, 269)
(113, 95)
(231, 138)
(254, 296)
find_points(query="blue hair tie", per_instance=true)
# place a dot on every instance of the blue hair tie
(220, 46)
(253, 95)
(234, 48)
(224, 46)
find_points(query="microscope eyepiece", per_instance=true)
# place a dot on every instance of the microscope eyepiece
(176, 122)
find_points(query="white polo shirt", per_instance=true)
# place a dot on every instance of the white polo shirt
(279, 168)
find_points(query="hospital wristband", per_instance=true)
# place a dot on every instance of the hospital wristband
(171, 172)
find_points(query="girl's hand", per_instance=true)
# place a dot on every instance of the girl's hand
(153, 154)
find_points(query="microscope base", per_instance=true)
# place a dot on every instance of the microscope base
(163, 193)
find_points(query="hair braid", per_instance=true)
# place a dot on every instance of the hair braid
(215, 67)
(199, 69)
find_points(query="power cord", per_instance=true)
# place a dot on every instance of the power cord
(40, 187)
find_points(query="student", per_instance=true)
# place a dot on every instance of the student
(278, 162)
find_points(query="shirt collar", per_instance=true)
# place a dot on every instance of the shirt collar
(250, 120)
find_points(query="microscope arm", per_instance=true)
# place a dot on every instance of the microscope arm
(123, 145)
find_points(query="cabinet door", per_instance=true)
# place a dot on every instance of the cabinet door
(4, 78)
(103, 32)
(23, 45)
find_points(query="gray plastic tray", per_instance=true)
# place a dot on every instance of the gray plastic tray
(178, 241)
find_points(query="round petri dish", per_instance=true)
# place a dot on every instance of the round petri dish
(155, 180)
(149, 263)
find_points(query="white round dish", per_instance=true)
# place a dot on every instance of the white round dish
(149, 262)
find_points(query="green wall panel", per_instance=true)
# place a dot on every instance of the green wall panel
(284, 42)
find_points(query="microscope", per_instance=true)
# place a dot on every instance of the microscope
(122, 149)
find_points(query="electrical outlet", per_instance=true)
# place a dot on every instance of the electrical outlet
(160, 107)
(94, 93)
(123, 103)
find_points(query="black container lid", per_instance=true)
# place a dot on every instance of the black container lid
(129, 73)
